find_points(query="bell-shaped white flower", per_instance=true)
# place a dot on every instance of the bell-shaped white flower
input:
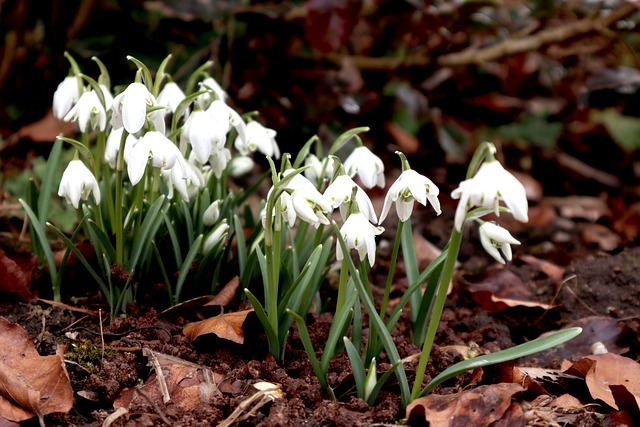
(200, 132)
(359, 234)
(225, 117)
(216, 237)
(258, 138)
(240, 165)
(367, 166)
(129, 109)
(219, 159)
(491, 184)
(494, 237)
(186, 181)
(409, 187)
(113, 145)
(67, 93)
(211, 214)
(315, 170)
(339, 192)
(171, 96)
(159, 149)
(77, 183)
(205, 99)
(88, 111)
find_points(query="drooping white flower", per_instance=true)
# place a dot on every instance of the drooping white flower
(212, 213)
(216, 237)
(159, 149)
(219, 159)
(113, 145)
(88, 111)
(316, 166)
(240, 165)
(410, 187)
(199, 132)
(258, 138)
(367, 166)
(77, 183)
(210, 83)
(225, 117)
(359, 234)
(338, 194)
(494, 237)
(186, 181)
(491, 184)
(171, 96)
(67, 93)
(129, 108)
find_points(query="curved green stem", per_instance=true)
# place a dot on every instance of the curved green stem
(392, 268)
(118, 225)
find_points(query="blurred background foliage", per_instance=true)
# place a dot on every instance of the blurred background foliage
(554, 82)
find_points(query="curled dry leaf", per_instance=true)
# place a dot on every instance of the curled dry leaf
(226, 294)
(226, 326)
(30, 385)
(480, 406)
(611, 378)
(15, 274)
(603, 237)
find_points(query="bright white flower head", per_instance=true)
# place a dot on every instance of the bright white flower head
(130, 108)
(409, 187)
(359, 234)
(240, 165)
(338, 194)
(217, 236)
(88, 111)
(219, 160)
(367, 166)
(225, 117)
(171, 96)
(205, 99)
(186, 182)
(201, 132)
(67, 93)
(491, 184)
(212, 213)
(258, 138)
(113, 145)
(160, 150)
(315, 171)
(494, 237)
(77, 183)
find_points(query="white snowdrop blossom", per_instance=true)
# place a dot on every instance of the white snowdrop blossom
(225, 117)
(159, 149)
(77, 183)
(315, 171)
(240, 165)
(211, 214)
(200, 132)
(409, 187)
(219, 160)
(88, 111)
(367, 166)
(359, 234)
(211, 84)
(338, 194)
(67, 93)
(494, 237)
(129, 108)
(186, 182)
(113, 145)
(216, 236)
(171, 96)
(491, 184)
(258, 138)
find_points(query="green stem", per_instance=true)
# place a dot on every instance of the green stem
(434, 319)
(118, 225)
(342, 286)
(392, 268)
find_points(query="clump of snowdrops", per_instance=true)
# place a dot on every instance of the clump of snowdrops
(153, 164)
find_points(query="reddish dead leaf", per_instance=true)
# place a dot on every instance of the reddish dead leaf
(30, 385)
(532, 186)
(612, 378)
(226, 326)
(583, 207)
(15, 274)
(480, 406)
(330, 23)
(500, 288)
(550, 269)
(408, 143)
(45, 129)
(628, 223)
(543, 381)
(598, 234)
(226, 294)
(183, 383)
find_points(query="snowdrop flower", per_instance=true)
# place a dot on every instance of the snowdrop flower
(339, 192)
(77, 183)
(217, 236)
(211, 214)
(130, 108)
(88, 111)
(210, 83)
(113, 145)
(491, 184)
(200, 132)
(67, 93)
(494, 237)
(240, 165)
(258, 138)
(315, 171)
(367, 165)
(186, 181)
(159, 149)
(171, 96)
(409, 187)
(219, 160)
(359, 234)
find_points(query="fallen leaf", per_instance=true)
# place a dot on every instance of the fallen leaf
(30, 385)
(612, 378)
(15, 275)
(582, 207)
(544, 381)
(600, 235)
(183, 383)
(46, 129)
(550, 269)
(227, 326)
(480, 406)
(226, 294)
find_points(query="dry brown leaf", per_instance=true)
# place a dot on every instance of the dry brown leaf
(600, 235)
(583, 207)
(46, 129)
(30, 385)
(226, 294)
(544, 381)
(480, 406)
(227, 326)
(183, 383)
(15, 275)
(550, 269)
(612, 378)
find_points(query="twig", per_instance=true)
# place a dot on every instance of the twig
(155, 406)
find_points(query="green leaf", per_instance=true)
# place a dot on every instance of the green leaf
(625, 130)
(186, 266)
(48, 180)
(359, 375)
(272, 337)
(42, 239)
(539, 344)
(147, 231)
